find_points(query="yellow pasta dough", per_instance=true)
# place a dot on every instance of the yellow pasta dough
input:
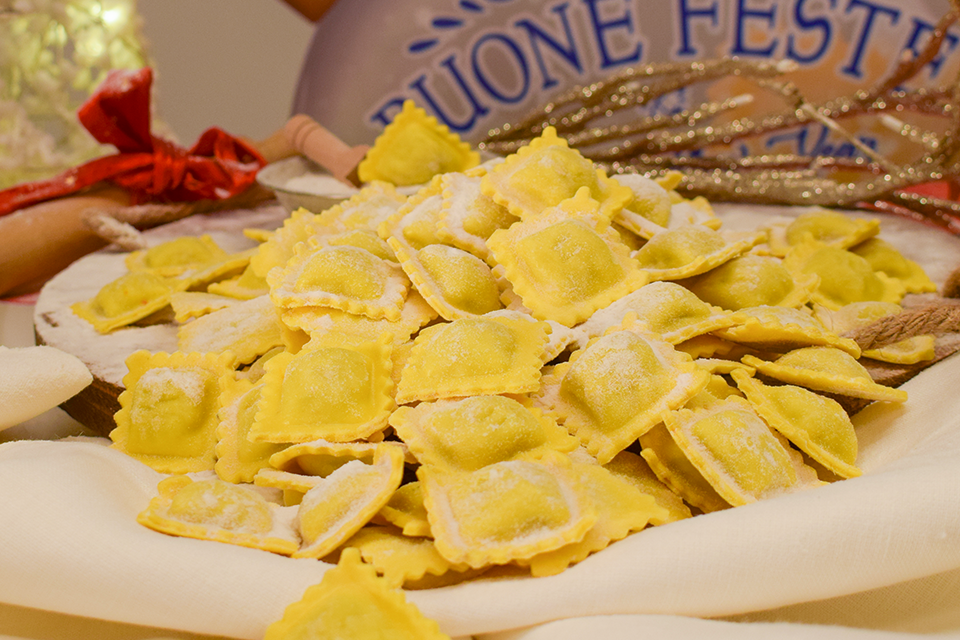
(352, 602)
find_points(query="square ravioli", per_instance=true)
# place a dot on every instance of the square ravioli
(566, 263)
(546, 172)
(735, 451)
(615, 389)
(475, 356)
(248, 329)
(505, 511)
(340, 277)
(339, 390)
(470, 433)
(168, 410)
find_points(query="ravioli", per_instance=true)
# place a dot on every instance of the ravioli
(340, 277)
(690, 250)
(885, 258)
(616, 389)
(211, 509)
(783, 329)
(753, 281)
(455, 283)
(506, 511)
(470, 433)
(131, 297)
(337, 391)
(826, 369)
(621, 509)
(734, 450)
(474, 356)
(413, 148)
(342, 502)
(666, 308)
(401, 560)
(546, 172)
(239, 459)
(248, 330)
(672, 466)
(566, 263)
(168, 409)
(816, 424)
(844, 276)
(467, 216)
(352, 602)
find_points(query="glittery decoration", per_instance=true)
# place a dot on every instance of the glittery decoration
(593, 120)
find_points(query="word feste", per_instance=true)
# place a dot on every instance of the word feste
(462, 79)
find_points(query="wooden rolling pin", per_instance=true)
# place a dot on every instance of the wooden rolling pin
(330, 152)
(39, 241)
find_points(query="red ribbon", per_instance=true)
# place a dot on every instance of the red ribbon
(216, 167)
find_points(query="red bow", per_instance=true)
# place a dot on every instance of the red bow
(218, 165)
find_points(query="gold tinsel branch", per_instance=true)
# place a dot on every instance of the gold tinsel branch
(592, 119)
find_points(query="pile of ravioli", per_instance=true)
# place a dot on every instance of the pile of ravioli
(513, 367)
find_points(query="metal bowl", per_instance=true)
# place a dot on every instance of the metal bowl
(314, 188)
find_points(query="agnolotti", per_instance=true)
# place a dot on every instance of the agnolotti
(690, 250)
(470, 433)
(735, 451)
(506, 511)
(566, 263)
(168, 410)
(615, 390)
(474, 356)
(546, 172)
(844, 276)
(337, 390)
(212, 509)
(341, 277)
(753, 281)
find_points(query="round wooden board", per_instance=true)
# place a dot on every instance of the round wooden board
(105, 355)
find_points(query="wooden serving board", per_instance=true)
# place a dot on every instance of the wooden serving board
(105, 355)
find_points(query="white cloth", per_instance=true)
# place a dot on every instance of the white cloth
(36, 379)
(887, 539)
